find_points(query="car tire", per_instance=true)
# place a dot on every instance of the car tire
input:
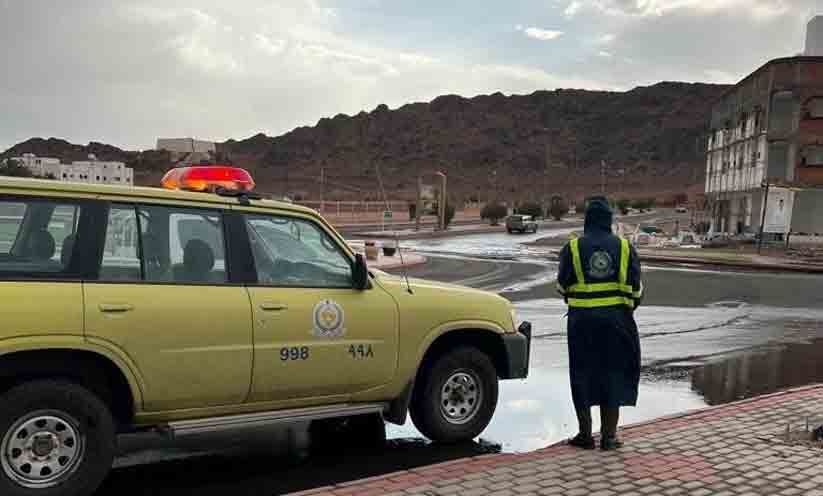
(511, 231)
(71, 449)
(455, 396)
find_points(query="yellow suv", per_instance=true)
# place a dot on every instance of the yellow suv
(127, 309)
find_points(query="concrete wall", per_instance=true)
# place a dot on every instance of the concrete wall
(807, 216)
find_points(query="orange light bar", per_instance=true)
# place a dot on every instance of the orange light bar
(208, 178)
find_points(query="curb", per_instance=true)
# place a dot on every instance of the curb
(807, 269)
(404, 479)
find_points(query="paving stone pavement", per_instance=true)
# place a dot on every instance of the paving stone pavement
(730, 450)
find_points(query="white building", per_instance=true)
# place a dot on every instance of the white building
(39, 166)
(188, 151)
(90, 171)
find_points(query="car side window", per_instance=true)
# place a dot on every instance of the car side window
(37, 236)
(183, 245)
(121, 260)
(292, 252)
(164, 245)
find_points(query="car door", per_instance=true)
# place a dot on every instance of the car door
(40, 271)
(163, 298)
(314, 335)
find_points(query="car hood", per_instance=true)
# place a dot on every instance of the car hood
(444, 302)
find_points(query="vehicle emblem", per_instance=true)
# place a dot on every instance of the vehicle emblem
(600, 265)
(328, 320)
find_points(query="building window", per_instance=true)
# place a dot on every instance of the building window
(814, 108)
(813, 156)
(784, 107)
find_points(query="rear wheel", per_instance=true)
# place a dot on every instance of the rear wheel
(56, 438)
(456, 396)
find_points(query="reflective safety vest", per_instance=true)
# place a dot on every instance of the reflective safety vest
(601, 294)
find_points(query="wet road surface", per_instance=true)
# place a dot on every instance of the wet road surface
(707, 338)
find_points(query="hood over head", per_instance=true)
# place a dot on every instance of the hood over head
(599, 217)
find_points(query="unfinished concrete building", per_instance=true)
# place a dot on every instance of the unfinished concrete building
(767, 134)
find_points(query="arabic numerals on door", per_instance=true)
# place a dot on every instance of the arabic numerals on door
(361, 351)
(294, 353)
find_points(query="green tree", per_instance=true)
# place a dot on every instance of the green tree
(558, 208)
(11, 167)
(623, 205)
(494, 212)
(530, 208)
(643, 204)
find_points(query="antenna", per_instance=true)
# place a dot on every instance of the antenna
(396, 236)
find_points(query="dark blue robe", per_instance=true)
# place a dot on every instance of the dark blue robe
(604, 347)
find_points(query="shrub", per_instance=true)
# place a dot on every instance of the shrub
(494, 212)
(530, 208)
(623, 206)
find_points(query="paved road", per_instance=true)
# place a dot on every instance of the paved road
(707, 338)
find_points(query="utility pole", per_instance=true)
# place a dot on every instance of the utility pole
(603, 177)
(442, 203)
(322, 188)
(543, 197)
(763, 217)
(418, 209)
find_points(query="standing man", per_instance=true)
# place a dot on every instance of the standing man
(599, 277)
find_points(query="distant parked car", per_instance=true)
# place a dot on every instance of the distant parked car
(682, 210)
(521, 223)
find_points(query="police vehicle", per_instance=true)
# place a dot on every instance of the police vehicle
(199, 307)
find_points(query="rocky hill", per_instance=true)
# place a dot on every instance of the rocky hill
(510, 147)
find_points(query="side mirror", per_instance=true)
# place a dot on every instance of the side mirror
(360, 273)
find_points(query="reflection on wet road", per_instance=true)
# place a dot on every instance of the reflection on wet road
(676, 343)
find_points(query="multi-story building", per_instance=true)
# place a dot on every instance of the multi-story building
(39, 166)
(83, 171)
(767, 138)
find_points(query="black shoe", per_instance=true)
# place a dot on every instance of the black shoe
(610, 443)
(582, 441)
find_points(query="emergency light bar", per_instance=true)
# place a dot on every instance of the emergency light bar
(208, 178)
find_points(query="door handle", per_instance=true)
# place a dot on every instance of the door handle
(115, 307)
(272, 306)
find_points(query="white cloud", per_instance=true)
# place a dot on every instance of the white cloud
(756, 9)
(235, 69)
(573, 8)
(542, 34)
(272, 47)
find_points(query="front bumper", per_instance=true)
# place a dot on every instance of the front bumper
(517, 347)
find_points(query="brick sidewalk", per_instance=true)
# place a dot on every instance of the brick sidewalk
(735, 449)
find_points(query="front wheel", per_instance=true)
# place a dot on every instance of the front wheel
(455, 396)
(56, 438)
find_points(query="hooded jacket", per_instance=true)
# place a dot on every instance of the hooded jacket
(604, 345)
(597, 236)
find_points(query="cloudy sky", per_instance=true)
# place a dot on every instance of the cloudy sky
(125, 72)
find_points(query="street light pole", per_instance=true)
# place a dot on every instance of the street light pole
(763, 217)
(442, 204)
